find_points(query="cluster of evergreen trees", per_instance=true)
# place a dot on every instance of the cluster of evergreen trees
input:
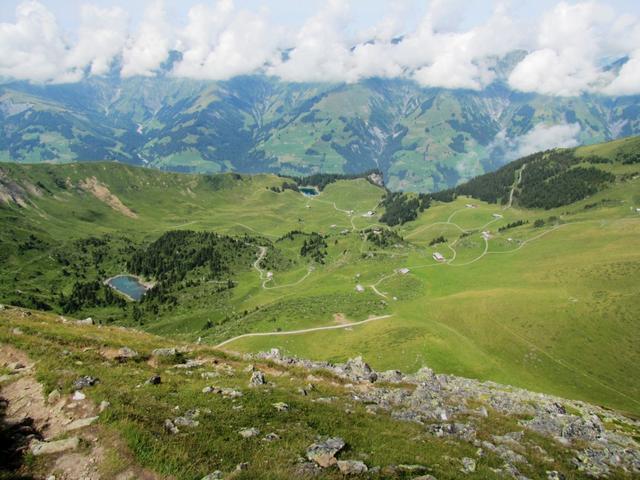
(177, 253)
(550, 179)
(315, 247)
(401, 208)
(511, 225)
(285, 186)
(321, 180)
(437, 241)
(382, 238)
(89, 295)
(565, 188)
(629, 158)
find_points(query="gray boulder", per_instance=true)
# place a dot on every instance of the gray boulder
(281, 407)
(217, 475)
(555, 475)
(352, 467)
(249, 432)
(170, 427)
(357, 369)
(164, 352)
(58, 446)
(257, 379)
(126, 353)
(85, 381)
(188, 419)
(323, 453)
(468, 465)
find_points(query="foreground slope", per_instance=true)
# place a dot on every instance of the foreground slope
(122, 403)
(539, 298)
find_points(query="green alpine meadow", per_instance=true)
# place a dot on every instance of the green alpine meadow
(466, 283)
(328, 240)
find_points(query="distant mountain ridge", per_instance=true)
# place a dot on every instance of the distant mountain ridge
(422, 139)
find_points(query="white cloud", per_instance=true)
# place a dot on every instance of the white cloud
(149, 47)
(219, 42)
(320, 48)
(568, 48)
(628, 80)
(572, 41)
(541, 137)
(32, 47)
(101, 37)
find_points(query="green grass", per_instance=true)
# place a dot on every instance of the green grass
(137, 411)
(552, 309)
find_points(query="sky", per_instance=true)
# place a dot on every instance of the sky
(443, 43)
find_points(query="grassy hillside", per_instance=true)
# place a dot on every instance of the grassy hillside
(547, 301)
(192, 411)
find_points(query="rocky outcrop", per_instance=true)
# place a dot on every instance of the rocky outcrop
(437, 401)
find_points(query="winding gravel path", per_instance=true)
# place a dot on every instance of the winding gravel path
(306, 330)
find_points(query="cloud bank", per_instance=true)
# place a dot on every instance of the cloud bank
(568, 52)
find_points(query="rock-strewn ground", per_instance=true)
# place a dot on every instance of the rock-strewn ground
(88, 401)
(437, 400)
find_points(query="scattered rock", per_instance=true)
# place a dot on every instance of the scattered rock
(225, 392)
(352, 467)
(86, 321)
(468, 465)
(242, 466)
(217, 475)
(412, 469)
(78, 396)
(249, 432)
(126, 353)
(16, 331)
(188, 419)
(271, 437)
(58, 446)
(53, 397)
(323, 453)
(257, 379)
(170, 427)
(81, 423)
(85, 381)
(164, 352)
(555, 475)
(281, 407)
(103, 406)
(154, 380)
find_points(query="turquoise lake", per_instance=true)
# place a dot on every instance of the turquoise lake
(128, 285)
(309, 191)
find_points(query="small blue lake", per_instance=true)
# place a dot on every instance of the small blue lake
(309, 191)
(128, 285)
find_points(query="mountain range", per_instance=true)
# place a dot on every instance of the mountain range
(422, 139)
